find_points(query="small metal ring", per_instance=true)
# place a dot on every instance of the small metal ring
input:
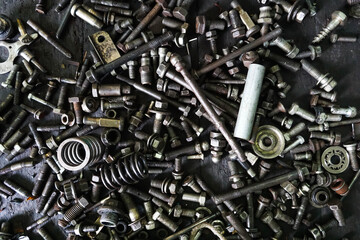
(274, 147)
(335, 159)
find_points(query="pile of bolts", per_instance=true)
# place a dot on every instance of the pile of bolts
(108, 138)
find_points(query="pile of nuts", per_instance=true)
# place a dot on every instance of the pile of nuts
(109, 137)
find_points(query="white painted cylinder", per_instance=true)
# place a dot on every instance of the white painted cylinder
(249, 102)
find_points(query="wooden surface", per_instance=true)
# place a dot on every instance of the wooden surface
(340, 60)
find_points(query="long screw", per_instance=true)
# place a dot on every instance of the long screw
(65, 20)
(337, 18)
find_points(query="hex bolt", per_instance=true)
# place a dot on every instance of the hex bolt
(285, 62)
(236, 175)
(332, 138)
(52, 142)
(48, 188)
(347, 112)
(11, 141)
(284, 121)
(191, 149)
(211, 36)
(312, 53)
(336, 38)
(189, 181)
(294, 11)
(268, 218)
(252, 29)
(40, 7)
(73, 212)
(323, 80)
(337, 18)
(303, 156)
(10, 78)
(162, 205)
(165, 220)
(319, 231)
(164, 197)
(78, 11)
(190, 135)
(265, 18)
(14, 125)
(351, 149)
(263, 204)
(38, 139)
(174, 138)
(150, 225)
(19, 147)
(182, 11)
(299, 140)
(291, 51)
(37, 113)
(192, 197)
(202, 24)
(29, 83)
(279, 108)
(32, 97)
(279, 215)
(96, 188)
(332, 96)
(40, 180)
(300, 213)
(134, 215)
(238, 31)
(17, 188)
(18, 84)
(298, 128)
(177, 172)
(76, 101)
(137, 118)
(225, 16)
(296, 110)
(198, 129)
(264, 169)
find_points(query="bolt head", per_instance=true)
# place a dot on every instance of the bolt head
(202, 198)
(333, 38)
(74, 99)
(267, 217)
(177, 211)
(184, 27)
(238, 32)
(339, 16)
(83, 202)
(293, 109)
(74, 8)
(157, 213)
(200, 24)
(300, 16)
(211, 34)
(180, 13)
(300, 139)
(162, 3)
(150, 225)
(162, 69)
(237, 185)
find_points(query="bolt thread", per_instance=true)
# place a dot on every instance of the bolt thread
(177, 164)
(62, 96)
(95, 193)
(301, 212)
(73, 212)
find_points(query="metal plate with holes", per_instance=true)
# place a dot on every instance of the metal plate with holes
(335, 159)
(104, 46)
(13, 50)
(269, 142)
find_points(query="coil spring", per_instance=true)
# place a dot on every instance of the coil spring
(129, 170)
(76, 153)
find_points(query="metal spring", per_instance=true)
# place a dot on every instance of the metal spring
(129, 170)
(76, 153)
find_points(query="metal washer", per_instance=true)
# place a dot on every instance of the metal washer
(332, 165)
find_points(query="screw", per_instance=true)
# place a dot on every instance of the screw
(37, 113)
(238, 30)
(319, 232)
(38, 139)
(347, 112)
(134, 215)
(246, 19)
(329, 96)
(327, 83)
(202, 24)
(351, 149)
(279, 215)
(332, 138)
(298, 128)
(181, 11)
(337, 18)
(164, 197)
(162, 205)
(235, 175)
(312, 53)
(225, 16)
(284, 121)
(76, 101)
(263, 204)
(150, 225)
(14, 125)
(32, 97)
(295, 109)
(74, 211)
(48, 188)
(300, 213)
(166, 221)
(17, 188)
(294, 11)
(189, 181)
(264, 168)
(285, 62)
(191, 149)
(299, 140)
(291, 51)
(43, 233)
(105, 122)
(40, 180)
(52, 142)
(174, 138)
(268, 218)
(279, 108)
(192, 197)
(10, 78)
(211, 36)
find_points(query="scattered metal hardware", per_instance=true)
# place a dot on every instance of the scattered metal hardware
(91, 141)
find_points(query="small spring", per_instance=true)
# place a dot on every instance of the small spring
(76, 153)
(129, 170)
